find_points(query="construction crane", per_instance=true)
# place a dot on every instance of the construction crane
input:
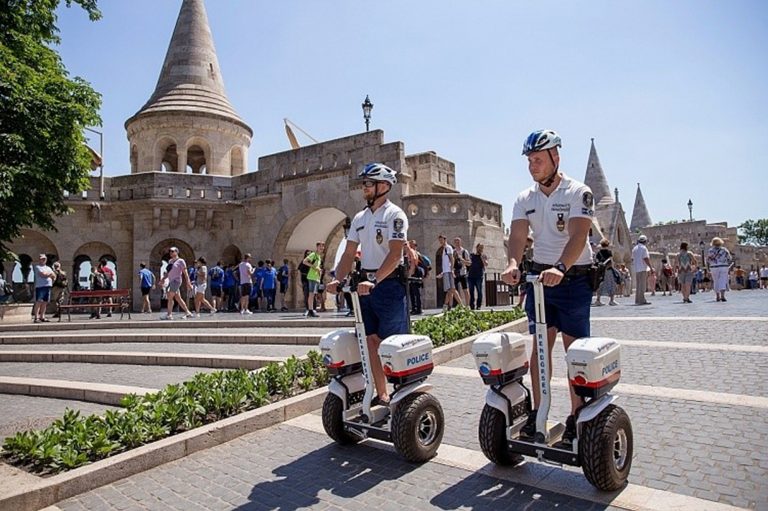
(292, 137)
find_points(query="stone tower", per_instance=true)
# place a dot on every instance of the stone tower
(188, 125)
(640, 216)
(595, 178)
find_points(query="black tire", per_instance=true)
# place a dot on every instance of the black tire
(417, 427)
(606, 449)
(492, 434)
(333, 421)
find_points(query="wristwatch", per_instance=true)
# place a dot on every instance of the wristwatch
(560, 267)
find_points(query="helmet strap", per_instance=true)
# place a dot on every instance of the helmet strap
(376, 196)
(551, 179)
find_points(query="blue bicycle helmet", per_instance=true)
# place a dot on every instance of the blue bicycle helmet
(378, 172)
(541, 140)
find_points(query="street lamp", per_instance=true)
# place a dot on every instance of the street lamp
(690, 210)
(367, 107)
(101, 161)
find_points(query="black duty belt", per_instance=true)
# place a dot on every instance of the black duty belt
(370, 274)
(576, 270)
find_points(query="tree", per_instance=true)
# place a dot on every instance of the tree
(754, 232)
(42, 115)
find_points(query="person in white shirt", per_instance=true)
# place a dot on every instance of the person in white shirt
(445, 274)
(558, 210)
(641, 261)
(381, 231)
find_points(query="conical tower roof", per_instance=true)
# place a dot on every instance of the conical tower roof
(191, 80)
(640, 216)
(595, 178)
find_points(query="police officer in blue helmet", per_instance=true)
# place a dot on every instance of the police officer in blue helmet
(380, 230)
(558, 211)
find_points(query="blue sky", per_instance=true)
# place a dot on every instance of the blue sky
(672, 92)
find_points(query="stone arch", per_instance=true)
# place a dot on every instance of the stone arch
(231, 255)
(300, 232)
(198, 155)
(91, 253)
(166, 155)
(28, 247)
(134, 158)
(160, 254)
(236, 161)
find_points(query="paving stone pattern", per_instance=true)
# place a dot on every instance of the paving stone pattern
(288, 468)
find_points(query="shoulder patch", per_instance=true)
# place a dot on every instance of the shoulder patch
(398, 224)
(587, 199)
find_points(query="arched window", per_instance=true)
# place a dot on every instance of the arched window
(195, 160)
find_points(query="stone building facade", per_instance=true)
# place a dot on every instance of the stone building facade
(188, 186)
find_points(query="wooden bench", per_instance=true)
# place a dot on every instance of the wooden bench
(94, 300)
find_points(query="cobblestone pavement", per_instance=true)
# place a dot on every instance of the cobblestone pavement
(717, 452)
(288, 468)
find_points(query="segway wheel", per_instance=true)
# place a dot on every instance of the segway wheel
(492, 434)
(333, 420)
(417, 427)
(606, 448)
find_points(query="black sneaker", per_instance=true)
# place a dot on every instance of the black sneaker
(569, 435)
(529, 429)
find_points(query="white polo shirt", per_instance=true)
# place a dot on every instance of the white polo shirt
(639, 254)
(374, 231)
(548, 218)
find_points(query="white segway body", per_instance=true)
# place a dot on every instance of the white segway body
(413, 420)
(594, 368)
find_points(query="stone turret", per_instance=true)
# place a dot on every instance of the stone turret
(640, 216)
(188, 124)
(595, 178)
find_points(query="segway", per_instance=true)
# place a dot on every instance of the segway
(412, 421)
(603, 446)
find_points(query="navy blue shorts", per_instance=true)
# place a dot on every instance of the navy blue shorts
(43, 294)
(566, 306)
(385, 310)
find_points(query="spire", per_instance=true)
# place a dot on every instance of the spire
(595, 178)
(191, 80)
(640, 216)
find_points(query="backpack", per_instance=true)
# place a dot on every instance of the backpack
(425, 263)
(217, 274)
(61, 280)
(667, 271)
(616, 276)
(100, 281)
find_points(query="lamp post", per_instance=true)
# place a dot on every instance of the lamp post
(367, 107)
(101, 161)
(690, 210)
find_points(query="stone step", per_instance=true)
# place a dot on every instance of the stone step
(213, 337)
(144, 358)
(103, 393)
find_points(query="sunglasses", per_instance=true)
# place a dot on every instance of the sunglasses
(369, 183)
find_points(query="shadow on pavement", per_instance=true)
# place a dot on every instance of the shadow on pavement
(334, 474)
(481, 492)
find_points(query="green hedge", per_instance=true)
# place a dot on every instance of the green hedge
(461, 322)
(73, 440)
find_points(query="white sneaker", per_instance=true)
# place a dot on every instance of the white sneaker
(248, 312)
(189, 315)
(197, 315)
(242, 312)
(166, 316)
